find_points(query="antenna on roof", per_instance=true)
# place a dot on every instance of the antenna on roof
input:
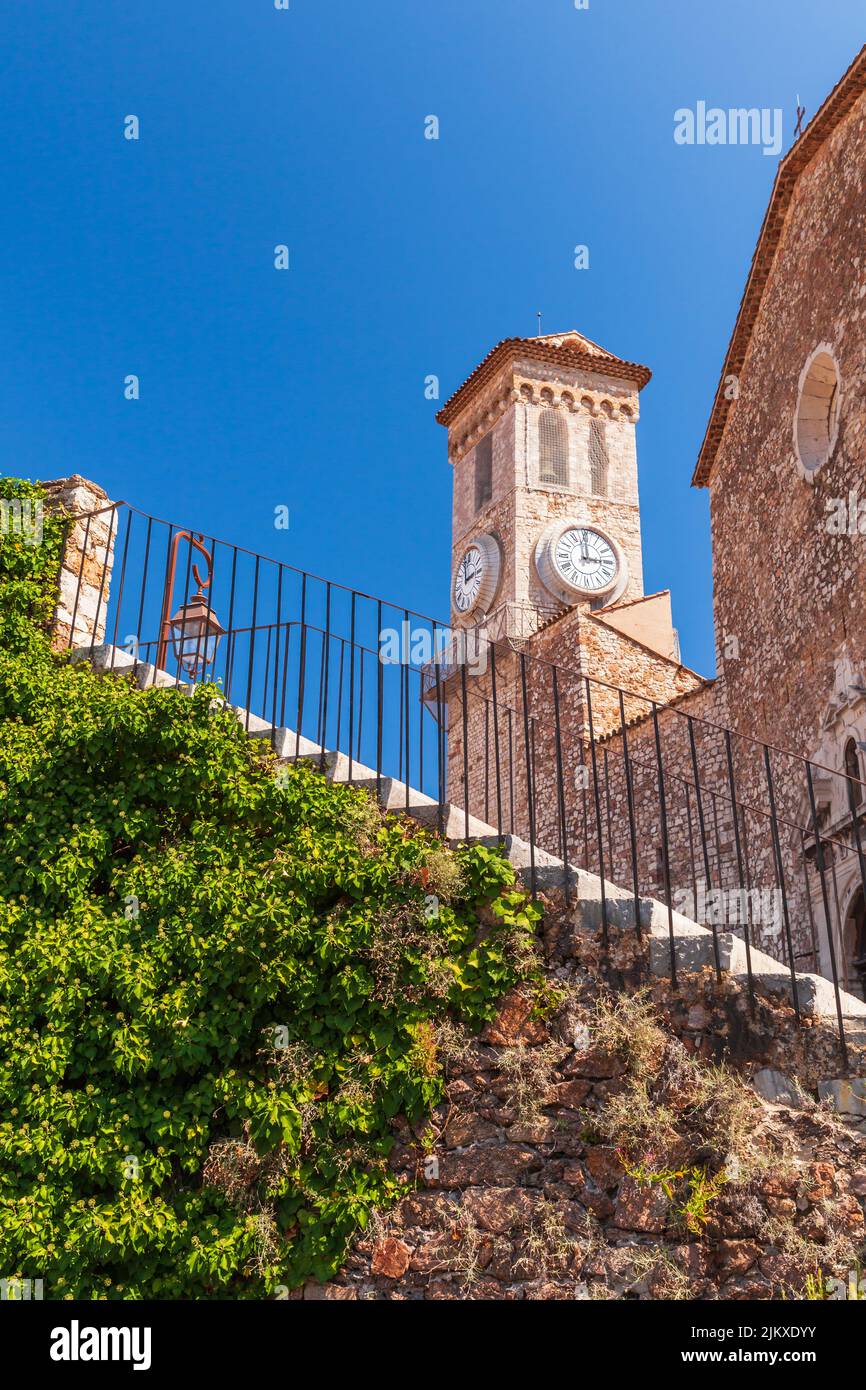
(801, 111)
(538, 316)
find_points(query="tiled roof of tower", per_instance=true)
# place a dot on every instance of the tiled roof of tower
(817, 132)
(569, 349)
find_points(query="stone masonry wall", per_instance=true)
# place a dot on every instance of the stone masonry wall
(516, 1194)
(788, 594)
(88, 559)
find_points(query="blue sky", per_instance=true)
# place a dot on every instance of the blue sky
(409, 257)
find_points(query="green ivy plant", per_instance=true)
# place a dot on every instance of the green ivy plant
(218, 986)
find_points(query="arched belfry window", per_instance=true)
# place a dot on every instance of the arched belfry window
(598, 458)
(852, 769)
(553, 449)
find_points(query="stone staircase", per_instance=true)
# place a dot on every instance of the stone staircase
(693, 944)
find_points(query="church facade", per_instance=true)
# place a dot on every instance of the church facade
(588, 713)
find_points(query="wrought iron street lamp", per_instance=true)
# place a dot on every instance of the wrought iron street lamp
(194, 630)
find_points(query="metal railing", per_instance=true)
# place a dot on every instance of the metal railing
(650, 795)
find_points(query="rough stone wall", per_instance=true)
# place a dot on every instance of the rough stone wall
(711, 879)
(85, 572)
(509, 1207)
(611, 661)
(681, 808)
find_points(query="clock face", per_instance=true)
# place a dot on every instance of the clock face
(467, 581)
(477, 575)
(585, 560)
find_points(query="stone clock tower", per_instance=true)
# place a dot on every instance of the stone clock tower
(546, 553)
(546, 513)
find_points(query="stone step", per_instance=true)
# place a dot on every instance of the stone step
(395, 795)
(426, 810)
(289, 747)
(116, 661)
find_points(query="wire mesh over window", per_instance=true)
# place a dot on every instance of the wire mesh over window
(483, 471)
(598, 458)
(553, 449)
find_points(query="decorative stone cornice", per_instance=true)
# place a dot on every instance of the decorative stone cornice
(568, 352)
(543, 394)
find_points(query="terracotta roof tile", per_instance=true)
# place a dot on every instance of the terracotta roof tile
(569, 349)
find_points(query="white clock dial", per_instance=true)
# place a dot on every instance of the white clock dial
(577, 561)
(476, 576)
(585, 560)
(468, 580)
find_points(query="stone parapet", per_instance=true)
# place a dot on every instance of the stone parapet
(88, 557)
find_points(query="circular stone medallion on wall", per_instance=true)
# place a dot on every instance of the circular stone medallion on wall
(816, 418)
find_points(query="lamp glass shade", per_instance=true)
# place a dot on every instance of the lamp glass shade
(196, 633)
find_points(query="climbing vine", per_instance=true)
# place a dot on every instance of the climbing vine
(218, 985)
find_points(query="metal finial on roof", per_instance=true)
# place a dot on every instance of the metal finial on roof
(801, 111)
(538, 316)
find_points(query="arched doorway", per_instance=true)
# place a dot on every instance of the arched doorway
(855, 942)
